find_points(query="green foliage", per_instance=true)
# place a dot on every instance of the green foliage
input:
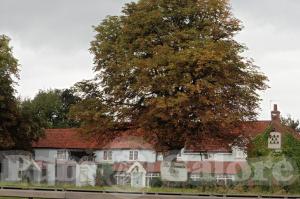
(259, 145)
(18, 127)
(290, 151)
(104, 175)
(291, 148)
(291, 122)
(51, 107)
(155, 182)
(173, 69)
(8, 105)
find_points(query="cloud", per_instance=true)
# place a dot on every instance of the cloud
(51, 40)
(271, 34)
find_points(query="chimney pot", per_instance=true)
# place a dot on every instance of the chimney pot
(275, 107)
(275, 114)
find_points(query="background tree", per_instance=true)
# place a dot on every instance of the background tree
(52, 107)
(291, 122)
(173, 69)
(18, 128)
(91, 112)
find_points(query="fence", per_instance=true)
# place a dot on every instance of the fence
(95, 194)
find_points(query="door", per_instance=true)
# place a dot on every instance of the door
(137, 179)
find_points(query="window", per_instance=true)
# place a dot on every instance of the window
(20, 174)
(69, 171)
(205, 177)
(44, 171)
(21, 165)
(122, 178)
(205, 156)
(224, 179)
(195, 177)
(56, 168)
(61, 154)
(107, 155)
(130, 155)
(21, 162)
(133, 155)
(136, 155)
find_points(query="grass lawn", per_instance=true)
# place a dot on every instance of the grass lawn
(207, 190)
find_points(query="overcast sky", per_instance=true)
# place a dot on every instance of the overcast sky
(51, 40)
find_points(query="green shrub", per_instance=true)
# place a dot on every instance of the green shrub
(156, 182)
(104, 175)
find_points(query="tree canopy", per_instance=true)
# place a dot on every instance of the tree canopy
(51, 107)
(172, 68)
(291, 122)
(18, 128)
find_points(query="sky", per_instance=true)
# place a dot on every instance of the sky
(51, 39)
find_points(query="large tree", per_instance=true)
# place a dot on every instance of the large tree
(18, 128)
(172, 68)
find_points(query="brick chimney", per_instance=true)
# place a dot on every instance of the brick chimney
(275, 114)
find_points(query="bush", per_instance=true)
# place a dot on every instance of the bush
(104, 175)
(193, 184)
(173, 184)
(155, 182)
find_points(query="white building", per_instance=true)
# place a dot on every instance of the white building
(65, 156)
(16, 165)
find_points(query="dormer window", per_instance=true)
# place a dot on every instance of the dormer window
(133, 155)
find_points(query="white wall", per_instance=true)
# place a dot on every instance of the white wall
(11, 169)
(88, 177)
(48, 155)
(236, 155)
(11, 166)
(121, 155)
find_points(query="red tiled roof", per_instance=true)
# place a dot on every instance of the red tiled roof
(128, 142)
(133, 139)
(213, 144)
(216, 167)
(65, 139)
(121, 166)
(252, 129)
(73, 139)
(153, 167)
